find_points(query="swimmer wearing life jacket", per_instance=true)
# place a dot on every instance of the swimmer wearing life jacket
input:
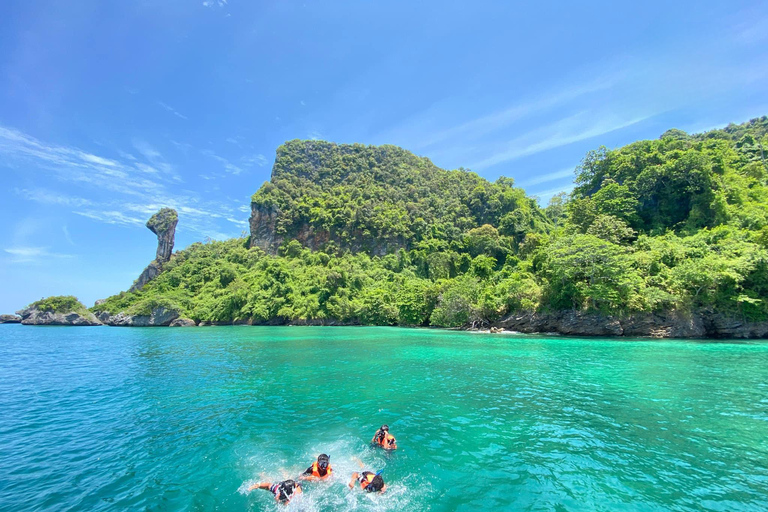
(383, 438)
(284, 491)
(369, 482)
(319, 470)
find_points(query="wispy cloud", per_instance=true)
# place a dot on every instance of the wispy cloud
(128, 190)
(172, 110)
(43, 196)
(32, 254)
(111, 217)
(566, 131)
(544, 178)
(214, 3)
(67, 236)
(501, 119)
(228, 166)
(251, 160)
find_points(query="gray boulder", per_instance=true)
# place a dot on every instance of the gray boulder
(159, 317)
(10, 319)
(183, 322)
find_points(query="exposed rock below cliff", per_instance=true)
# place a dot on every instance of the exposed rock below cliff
(162, 224)
(702, 325)
(183, 322)
(148, 274)
(159, 317)
(10, 319)
(64, 310)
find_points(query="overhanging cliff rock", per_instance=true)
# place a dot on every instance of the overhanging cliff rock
(163, 224)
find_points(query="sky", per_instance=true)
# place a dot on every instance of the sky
(112, 110)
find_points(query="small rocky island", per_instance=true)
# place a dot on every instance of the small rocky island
(10, 319)
(58, 310)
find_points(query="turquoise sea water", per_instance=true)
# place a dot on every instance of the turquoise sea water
(185, 419)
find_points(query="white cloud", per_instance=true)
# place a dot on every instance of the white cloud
(251, 160)
(25, 254)
(228, 166)
(560, 133)
(67, 235)
(127, 191)
(172, 110)
(49, 197)
(111, 217)
(552, 176)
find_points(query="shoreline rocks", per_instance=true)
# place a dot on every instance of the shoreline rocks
(10, 319)
(654, 325)
(33, 316)
(158, 317)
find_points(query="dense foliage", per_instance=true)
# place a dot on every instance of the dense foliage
(60, 304)
(367, 196)
(674, 224)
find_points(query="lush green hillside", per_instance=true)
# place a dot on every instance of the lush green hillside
(366, 196)
(674, 224)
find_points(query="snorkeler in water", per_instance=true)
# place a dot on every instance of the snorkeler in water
(383, 438)
(284, 491)
(319, 470)
(369, 482)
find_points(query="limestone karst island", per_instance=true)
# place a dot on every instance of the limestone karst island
(383, 256)
(661, 238)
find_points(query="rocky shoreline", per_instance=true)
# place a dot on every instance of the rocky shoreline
(569, 323)
(654, 325)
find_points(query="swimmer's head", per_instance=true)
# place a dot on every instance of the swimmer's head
(323, 460)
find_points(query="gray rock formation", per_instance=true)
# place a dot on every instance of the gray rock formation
(158, 317)
(668, 325)
(162, 224)
(183, 322)
(33, 316)
(10, 319)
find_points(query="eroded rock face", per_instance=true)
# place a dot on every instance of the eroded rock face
(668, 325)
(10, 319)
(162, 224)
(33, 316)
(159, 317)
(183, 322)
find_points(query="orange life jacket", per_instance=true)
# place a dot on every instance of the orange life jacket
(387, 440)
(316, 471)
(366, 479)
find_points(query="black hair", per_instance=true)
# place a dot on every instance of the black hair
(287, 488)
(376, 484)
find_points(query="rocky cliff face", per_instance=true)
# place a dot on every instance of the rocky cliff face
(669, 325)
(10, 319)
(263, 221)
(34, 316)
(159, 317)
(162, 224)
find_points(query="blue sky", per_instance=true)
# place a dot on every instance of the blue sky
(111, 110)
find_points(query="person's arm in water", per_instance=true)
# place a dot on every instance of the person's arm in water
(260, 485)
(393, 443)
(307, 475)
(374, 440)
(354, 479)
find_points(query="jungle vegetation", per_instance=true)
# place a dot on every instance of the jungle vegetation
(674, 224)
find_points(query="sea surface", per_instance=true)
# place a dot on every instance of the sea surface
(99, 418)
